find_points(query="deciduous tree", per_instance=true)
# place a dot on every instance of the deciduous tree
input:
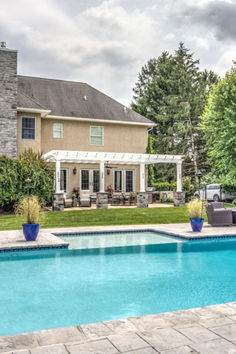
(172, 92)
(218, 122)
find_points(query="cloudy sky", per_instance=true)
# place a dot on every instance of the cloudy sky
(105, 43)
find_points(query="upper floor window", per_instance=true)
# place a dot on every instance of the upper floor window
(28, 128)
(58, 130)
(96, 135)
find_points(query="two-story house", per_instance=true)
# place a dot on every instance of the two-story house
(94, 141)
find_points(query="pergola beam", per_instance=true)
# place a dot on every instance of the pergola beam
(103, 158)
(111, 158)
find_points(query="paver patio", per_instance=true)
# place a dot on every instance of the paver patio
(207, 330)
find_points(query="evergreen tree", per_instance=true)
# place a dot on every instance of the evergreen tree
(171, 91)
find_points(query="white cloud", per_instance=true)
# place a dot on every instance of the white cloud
(105, 43)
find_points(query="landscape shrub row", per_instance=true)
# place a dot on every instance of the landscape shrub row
(13, 174)
(188, 187)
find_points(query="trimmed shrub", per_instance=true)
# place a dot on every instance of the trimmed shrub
(165, 186)
(188, 187)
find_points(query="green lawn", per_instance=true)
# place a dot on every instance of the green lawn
(102, 217)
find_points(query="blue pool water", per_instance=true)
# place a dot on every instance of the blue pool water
(48, 289)
(116, 239)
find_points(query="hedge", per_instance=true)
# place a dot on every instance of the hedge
(13, 174)
(188, 187)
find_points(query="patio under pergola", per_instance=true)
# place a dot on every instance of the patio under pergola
(113, 158)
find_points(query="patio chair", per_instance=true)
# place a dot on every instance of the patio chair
(117, 198)
(218, 215)
(126, 198)
(68, 202)
(85, 200)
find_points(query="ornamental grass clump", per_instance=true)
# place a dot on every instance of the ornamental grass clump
(195, 208)
(29, 208)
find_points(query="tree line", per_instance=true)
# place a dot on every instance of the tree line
(195, 116)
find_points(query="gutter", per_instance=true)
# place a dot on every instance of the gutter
(43, 112)
(100, 120)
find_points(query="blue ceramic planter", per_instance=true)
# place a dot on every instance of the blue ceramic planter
(30, 231)
(196, 224)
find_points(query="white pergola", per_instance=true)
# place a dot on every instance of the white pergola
(103, 158)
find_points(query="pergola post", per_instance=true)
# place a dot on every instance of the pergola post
(179, 176)
(142, 177)
(58, 176)
(101, 189)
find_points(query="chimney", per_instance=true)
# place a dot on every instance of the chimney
(8, 99)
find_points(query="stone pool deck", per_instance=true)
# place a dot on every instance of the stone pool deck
(47, 237)
(14, 240)
(206, 330)
(183, 230)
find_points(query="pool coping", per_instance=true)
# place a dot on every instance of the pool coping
(182, 230)
(11, 241)
(123, 231)
(210, 329)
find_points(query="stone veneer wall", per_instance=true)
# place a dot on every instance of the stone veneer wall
(142, 200)
(8, 102)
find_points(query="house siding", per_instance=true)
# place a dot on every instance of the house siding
(76, 136)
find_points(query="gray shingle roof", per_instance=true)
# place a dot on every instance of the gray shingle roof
(67, 98)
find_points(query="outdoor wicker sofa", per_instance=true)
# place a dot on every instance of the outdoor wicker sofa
(218, 215)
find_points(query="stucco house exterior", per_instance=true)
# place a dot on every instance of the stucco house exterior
(94, 141)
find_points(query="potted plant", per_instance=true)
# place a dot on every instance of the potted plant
(110, 191)
(75, 192)
(75, 196)
(30, 208)
(195, 210)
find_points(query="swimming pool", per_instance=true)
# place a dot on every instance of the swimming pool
(57, 288)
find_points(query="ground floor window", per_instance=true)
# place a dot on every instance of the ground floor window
(124, 181)
(129, 181)
(64, 180)
(96, 181)
(118, 181)
(90, 180)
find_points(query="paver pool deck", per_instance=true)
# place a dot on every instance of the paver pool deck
(183, 230)
(205, 330)
(47, 237)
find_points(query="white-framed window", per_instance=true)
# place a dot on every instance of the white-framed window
(129, 181)
(118, 180)
(64, 180)
(28, 128)
(96, 135)
(124, 180)
(57, 130)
